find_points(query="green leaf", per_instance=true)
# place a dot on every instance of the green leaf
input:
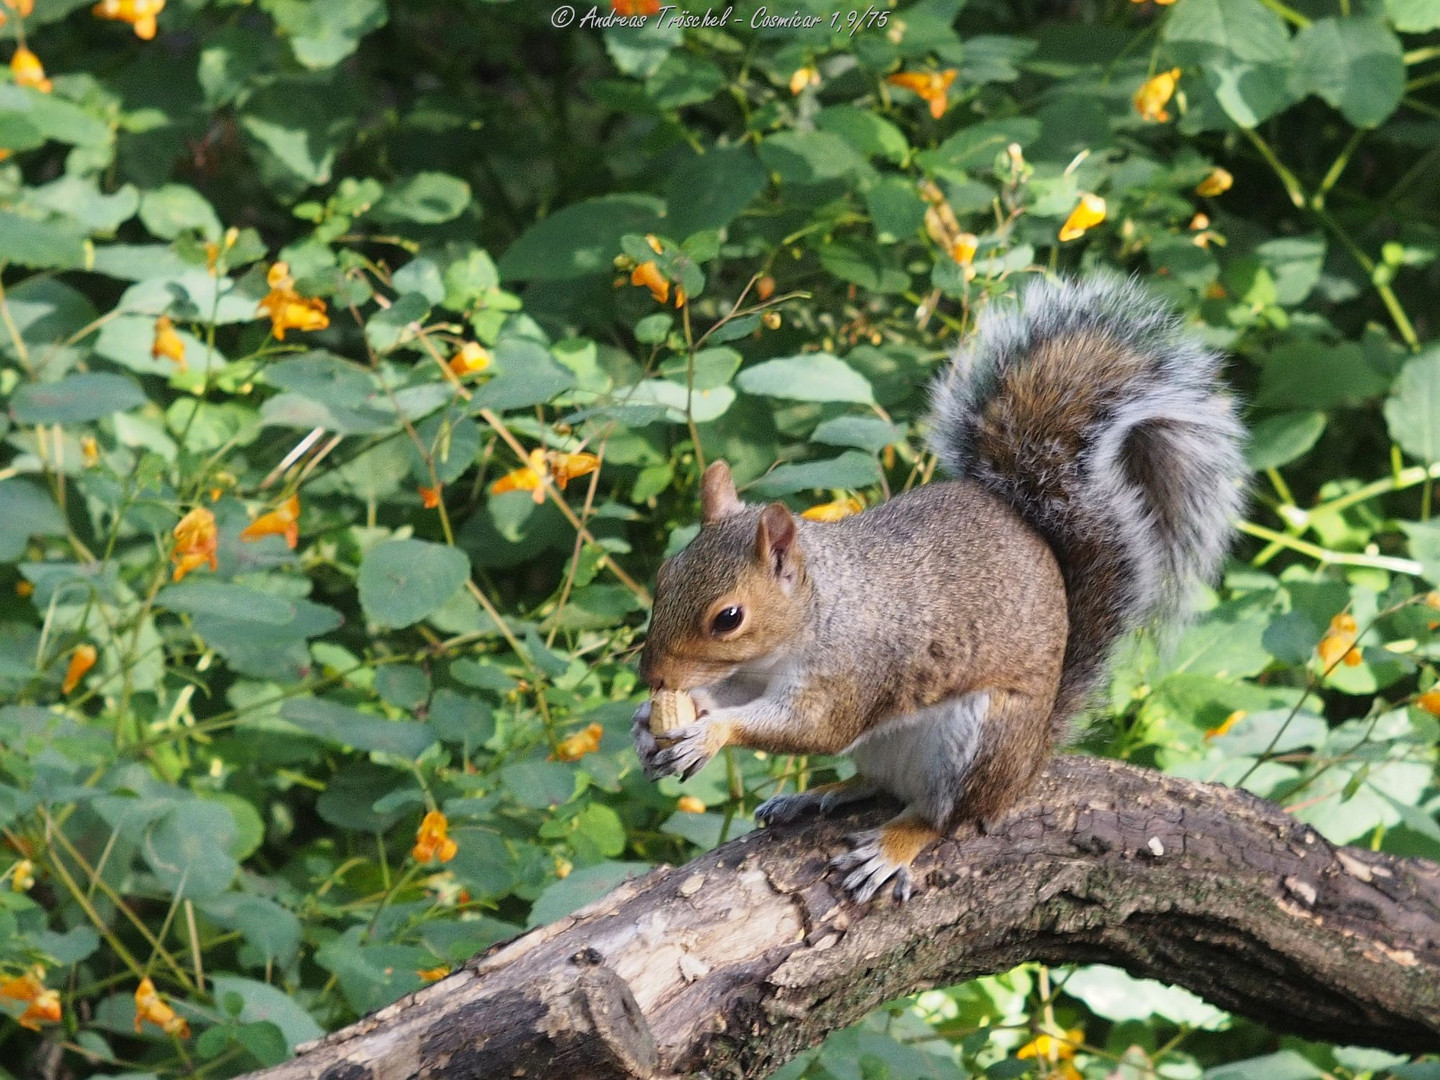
(265, 1003)
(396, 325)
(1355, 64)
(581, 239)
(1412, 412)
(709, 190)
(808, 377)
(977, 144)
(324, 32)
(1414, 16)
(1424, 537)
(188, 849)
(865, 264)
(427, 198)
(809, 157)
(26, 510)
(1279, 440)
(227, 602)
(75, 399)
(872, 135)
(580, 888)
(402, 581)
(296, 130)
(684, 80)
(529, 375)
(851, 470)
(895, 209)
(1243, 49)
(57, 244)
(175, 208)
(1302, 374)
(868, 433)
(273, 931)
(1111, 993)
(360, 730)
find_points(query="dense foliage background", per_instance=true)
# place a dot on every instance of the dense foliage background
(312, 308)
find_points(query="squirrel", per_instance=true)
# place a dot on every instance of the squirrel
(946, 639)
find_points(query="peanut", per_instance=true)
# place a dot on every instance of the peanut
(670, 709)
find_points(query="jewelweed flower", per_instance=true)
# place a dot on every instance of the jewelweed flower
(1430, 702)
(1057, 1050)
(574, 747)
(1338, 644)
(434, 974)
(566, 467)
(28, 70)
(21, 7)
(1226, 724)
(149, 1005)
(1217, 183)
(933, 87)
(689, 804)
(140, 14)
(284, 521)
(432, 840)
(635, 7)
(41, 1005)
(471, 358)
(648, 275)
(834, 511)
(1154, 94)
(526, 478)
(1088, 212)
(803, 77)
(81, 661)
(89, 451)
(22, 876)
(195, 542)
(288, 310)
(429, 497)
(168, 343)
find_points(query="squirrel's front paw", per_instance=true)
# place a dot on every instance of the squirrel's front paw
(645, 746)
(684, 751)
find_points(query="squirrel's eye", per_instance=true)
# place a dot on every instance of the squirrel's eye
(727, 619)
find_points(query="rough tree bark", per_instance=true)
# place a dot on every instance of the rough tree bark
(736, 961)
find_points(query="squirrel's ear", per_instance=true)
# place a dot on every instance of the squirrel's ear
(775, 545)
(717, 494)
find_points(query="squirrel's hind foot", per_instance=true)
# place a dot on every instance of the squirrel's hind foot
(817, 801)
(878, 855)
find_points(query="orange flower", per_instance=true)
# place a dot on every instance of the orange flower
(1088, 212)
(24, 589)
(1217, 183)
(1338, 644)
(834, 511)
(932, 86)
(150, 1006)
(1198, 222)
(525, 478)
(964, 248)
(635, 7)
(28, 70)
(284, 521)
(22, 876)
(689, 804)
(140, 14)
(89, 451)
(470, 359)
(574, 747)
(81, 661)
(1155, 94)
(288, 310)
(566, 467)
(434, 974)
(42, 1005)
(1226, 724)
(432, 840)
(195, 542)
(1432, 599)
(765, 287)
(1430, 702)
(803, 77)
(1053, 1048)
(21, 7)
(430, 497)
(168, 343)
(648, 274)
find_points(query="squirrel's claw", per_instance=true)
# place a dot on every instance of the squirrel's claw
(684, 752)
(869, 869)
(781, 809)
(645, 745)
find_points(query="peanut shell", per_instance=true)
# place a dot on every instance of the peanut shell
(670, 709)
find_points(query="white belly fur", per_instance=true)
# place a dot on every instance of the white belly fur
(922, 757)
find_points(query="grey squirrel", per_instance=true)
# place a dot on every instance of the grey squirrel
(945, 639)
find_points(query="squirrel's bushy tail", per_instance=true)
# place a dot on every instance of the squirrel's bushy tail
(1096, 415)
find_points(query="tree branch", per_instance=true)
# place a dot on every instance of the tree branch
(740, 959)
